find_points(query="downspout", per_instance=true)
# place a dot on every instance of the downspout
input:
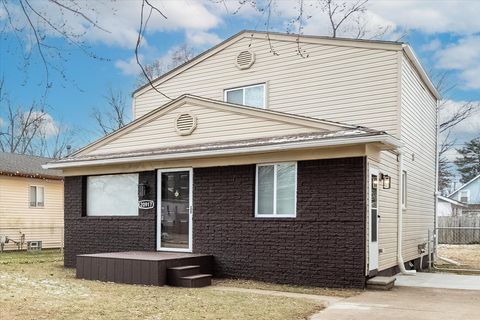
(437, 192)
(401, 264)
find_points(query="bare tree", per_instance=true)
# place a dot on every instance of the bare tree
(339, 12)
(146, 11)
(461, 114)
(444, 85)
(34, 22)
(32, 131)
(115, 115)
(178, 56)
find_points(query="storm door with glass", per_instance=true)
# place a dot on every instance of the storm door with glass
(174, 214)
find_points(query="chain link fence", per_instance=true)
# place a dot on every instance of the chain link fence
(458, 241)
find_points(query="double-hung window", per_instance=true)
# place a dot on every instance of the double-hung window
(276, 190)
(37, 196)
(253, 96)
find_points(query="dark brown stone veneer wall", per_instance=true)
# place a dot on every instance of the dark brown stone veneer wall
(85, 234)
(323, 246)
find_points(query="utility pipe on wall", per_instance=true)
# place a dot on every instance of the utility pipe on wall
(401, 264)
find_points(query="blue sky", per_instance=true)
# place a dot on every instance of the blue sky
(444, 34)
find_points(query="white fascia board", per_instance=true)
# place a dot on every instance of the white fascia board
(389, 141)
(416, 63)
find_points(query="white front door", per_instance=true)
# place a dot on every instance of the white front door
(174, 210)
(373, 218)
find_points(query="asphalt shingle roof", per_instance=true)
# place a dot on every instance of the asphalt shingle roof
(24, 165)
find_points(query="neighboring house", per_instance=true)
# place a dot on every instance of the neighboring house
(315, 170)
(469, 194)
(447, 207)
(31, 202)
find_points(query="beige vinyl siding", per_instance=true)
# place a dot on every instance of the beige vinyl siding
(387, 209)
(213, 125)
(388, 205)
(347, 84)
(17, 217)
(418, 130)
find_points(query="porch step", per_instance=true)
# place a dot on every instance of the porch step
(195, 281)
(182, 271)
(381, 283)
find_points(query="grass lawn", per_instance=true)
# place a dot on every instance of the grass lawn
(36, 286)
(468, 255)
(249, 284)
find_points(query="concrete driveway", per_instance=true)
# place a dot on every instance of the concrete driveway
(406, 303)
(439, 280)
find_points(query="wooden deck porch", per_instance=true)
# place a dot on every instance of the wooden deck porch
(147, 268)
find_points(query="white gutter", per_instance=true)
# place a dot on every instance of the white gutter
(385, 139)
(401, 263)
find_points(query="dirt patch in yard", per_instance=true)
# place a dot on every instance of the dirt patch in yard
(468, 255)
(38, 287)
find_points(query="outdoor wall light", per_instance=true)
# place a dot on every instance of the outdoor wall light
(142, 190)
(387, 181)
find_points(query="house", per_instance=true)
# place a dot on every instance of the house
(469, 194)
(314, 169)
(31, 202)
(447, 207)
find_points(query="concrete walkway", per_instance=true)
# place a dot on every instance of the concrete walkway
(439, 280)
(406, 303)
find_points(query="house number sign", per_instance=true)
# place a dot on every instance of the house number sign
(146, 204)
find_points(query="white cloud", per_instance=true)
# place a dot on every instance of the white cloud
(430, 16)
(129, 67)
(427, 16)
(463, 56)
(202, 38)
(121, 19)
(431, 46)
(47, 126)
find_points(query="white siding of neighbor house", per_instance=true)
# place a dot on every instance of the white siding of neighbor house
(213, 125)
(418, 132)
(16, 215)
(339, 83)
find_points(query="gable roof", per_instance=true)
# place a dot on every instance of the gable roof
(13, 164)
(311, 133)
(372, 44)
(462, 187)
(312, 123)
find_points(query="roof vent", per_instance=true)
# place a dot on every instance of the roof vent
(185, 124)
(245, 59)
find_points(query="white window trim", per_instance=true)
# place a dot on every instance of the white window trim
(275, 215)
(243, 97)
(460, 195)
(36, 196)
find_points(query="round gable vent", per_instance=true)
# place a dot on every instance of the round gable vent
(185, 124)
(245, 59)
